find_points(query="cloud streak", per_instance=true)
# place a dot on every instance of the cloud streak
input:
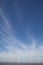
(16, 50)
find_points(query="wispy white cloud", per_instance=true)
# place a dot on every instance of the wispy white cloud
(17, 51)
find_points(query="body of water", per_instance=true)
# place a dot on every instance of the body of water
(21, 63)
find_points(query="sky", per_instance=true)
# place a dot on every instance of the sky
(21, 31)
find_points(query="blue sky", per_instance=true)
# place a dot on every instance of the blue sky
(21, 30)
